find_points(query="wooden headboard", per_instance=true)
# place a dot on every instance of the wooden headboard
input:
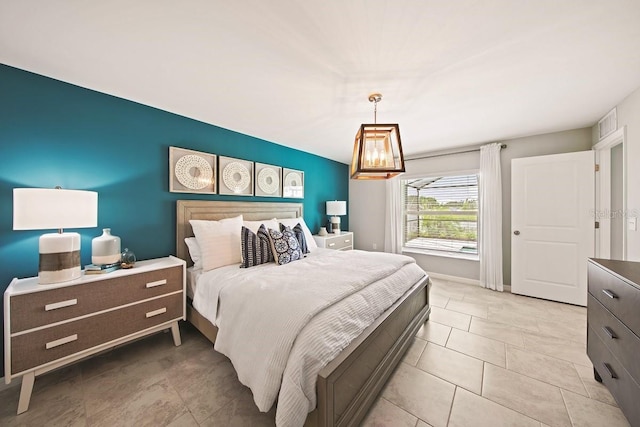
(216, 210)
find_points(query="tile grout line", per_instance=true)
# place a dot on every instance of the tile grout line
(459, 352)
(548, 383)
(506, 407)
(402, 409)
(455, 391)
(564, 401)
(184, 403)
(527, 348)
(482, 380)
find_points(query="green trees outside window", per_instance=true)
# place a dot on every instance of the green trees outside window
(442, 213)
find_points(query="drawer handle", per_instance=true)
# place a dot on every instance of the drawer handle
(156, 312)
(331, 244)
(610, 294)
(62, 341)
(347, 240)
(157, 283)
(610, 371)
(607, 330)
(60, 304)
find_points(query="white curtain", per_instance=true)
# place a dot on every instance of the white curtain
(490, 233)
(393, 217)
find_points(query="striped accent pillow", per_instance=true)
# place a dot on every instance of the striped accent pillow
(298, 231)
(256, 247)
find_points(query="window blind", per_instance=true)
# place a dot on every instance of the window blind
(441, 213)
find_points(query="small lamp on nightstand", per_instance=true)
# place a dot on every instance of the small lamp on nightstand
(55, 208)
(335, 209)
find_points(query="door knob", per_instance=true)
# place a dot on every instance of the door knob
(517, 233)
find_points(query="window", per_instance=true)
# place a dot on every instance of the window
(441, 213)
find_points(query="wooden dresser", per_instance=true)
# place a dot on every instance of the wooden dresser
(48, 326)
(613, 333)
(341, 242)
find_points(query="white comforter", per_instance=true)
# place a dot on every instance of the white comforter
(270, 318)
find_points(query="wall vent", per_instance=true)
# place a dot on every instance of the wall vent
(608, 124)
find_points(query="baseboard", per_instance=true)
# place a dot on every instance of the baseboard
(464, 280)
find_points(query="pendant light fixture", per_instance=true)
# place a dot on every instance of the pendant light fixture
(377, 150)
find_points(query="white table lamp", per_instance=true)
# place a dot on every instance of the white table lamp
(335, 209)
(48, 208)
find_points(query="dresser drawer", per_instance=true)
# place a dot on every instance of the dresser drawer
(619, 297)
(622, 343)
(30, 350)
(623, 388)
(340, 242)
(45, 307)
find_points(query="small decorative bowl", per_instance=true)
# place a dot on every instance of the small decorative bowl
(128, 259)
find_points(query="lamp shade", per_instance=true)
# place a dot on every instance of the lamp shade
(49, 208)
(336, 208)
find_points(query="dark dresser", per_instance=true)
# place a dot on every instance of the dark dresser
(613, 318)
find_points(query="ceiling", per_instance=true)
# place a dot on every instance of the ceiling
(299, 72)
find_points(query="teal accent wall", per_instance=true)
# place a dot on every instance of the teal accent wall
(54, 133)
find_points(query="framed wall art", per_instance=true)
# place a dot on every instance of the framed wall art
(292, 183)
(191, 171)
(235, 176)
(268, 180)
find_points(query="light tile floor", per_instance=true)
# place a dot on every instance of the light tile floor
(483, 359)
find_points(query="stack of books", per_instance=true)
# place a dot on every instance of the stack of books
(101, 268)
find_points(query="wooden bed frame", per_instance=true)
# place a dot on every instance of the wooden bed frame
(349, 385)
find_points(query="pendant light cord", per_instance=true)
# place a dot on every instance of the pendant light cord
(375, 112)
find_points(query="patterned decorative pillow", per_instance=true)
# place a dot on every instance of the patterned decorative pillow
(299, 233)
(291, 222)
(286, 247)
(256, 247)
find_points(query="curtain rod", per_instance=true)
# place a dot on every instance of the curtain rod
(502, 147)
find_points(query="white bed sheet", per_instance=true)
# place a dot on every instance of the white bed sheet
(192, 280)
(338, 324)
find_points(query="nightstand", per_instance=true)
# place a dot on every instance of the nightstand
(341, 242)
(49, 326)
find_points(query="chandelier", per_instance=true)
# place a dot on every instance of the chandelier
(377, 151)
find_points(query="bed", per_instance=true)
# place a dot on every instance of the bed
(348, 385)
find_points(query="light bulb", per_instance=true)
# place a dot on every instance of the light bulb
(376, 157)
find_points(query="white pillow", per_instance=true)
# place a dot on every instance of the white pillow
(219, 241)
(194, 252)
(292, 222)
(268, 223)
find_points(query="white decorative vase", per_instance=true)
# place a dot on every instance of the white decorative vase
(105, 249)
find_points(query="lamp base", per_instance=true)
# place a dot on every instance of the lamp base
(59, 258)
(335, 224)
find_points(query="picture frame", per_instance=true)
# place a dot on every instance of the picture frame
(192, 171)
(268, 180)
(235, 176)
(292, 183)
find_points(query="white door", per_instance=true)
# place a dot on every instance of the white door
(552, 225)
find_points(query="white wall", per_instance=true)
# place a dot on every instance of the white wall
(367, 198)
(366, 214)
(628, 113)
